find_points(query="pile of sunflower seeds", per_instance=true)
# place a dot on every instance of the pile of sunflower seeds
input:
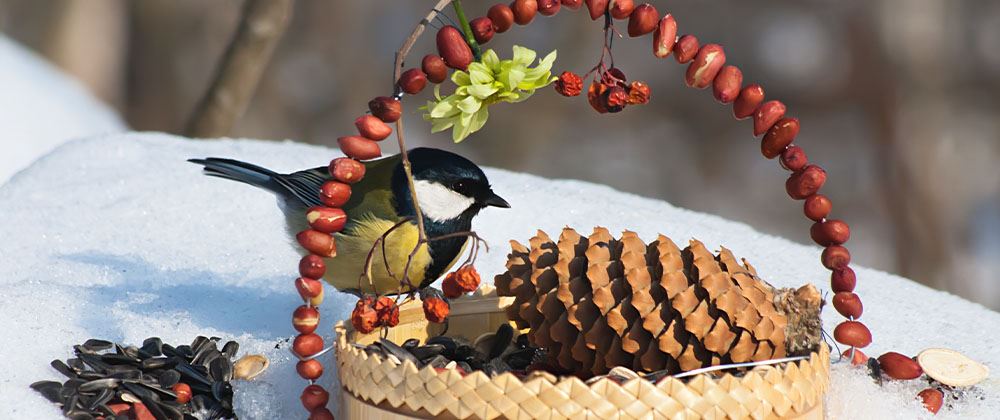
(493, 354)
(104, 377)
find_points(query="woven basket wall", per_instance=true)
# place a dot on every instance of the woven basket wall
(375, 387)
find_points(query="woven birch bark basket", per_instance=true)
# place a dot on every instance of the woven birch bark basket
(375, 387)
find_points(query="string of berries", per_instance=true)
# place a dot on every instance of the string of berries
(609, 92)
(320, 243)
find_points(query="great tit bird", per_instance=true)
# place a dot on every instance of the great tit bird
(451, 191)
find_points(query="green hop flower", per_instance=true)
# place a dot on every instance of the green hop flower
(487, 82)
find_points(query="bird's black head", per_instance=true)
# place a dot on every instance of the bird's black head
(450, 188)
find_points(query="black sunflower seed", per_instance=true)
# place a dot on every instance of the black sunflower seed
(411, 343)
(168, 378)
(119, 359)
(230, 349)
(89, 375)
(79, 415)
(221, 369)
(152, 346)
(185, 351)
(206, 356)
(91, 404)
(522, 341)
(427, 352)
(189, 371)
(198, 341)
(222, 391)
(70, 388)
(127, 375)
(69, 404)
(99, 384)
(448, 343)
(501, 340)
(400, 353)
(158, 363)
(63, 368)
(96, 345)
(51, 390)
(94, 361)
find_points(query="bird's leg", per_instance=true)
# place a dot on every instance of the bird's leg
(367, 273)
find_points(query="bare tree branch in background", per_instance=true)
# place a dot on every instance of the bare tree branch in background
(920, 241)
(261, 26)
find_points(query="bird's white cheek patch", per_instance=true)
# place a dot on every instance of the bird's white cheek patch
(440, 203)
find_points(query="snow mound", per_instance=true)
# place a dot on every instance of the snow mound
(119, 238)
(41, 107)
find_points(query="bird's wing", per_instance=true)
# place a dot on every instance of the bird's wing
(304, 185)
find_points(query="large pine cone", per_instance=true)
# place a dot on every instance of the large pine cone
(598, 302)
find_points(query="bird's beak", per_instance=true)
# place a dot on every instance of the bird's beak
(496, 201)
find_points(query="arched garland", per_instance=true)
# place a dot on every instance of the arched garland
(608, 93)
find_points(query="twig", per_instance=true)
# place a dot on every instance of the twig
(407, 168)
(261, 25)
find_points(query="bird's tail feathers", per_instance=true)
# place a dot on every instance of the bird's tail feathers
(240, 171)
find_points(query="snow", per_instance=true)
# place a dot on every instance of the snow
(41, 107)
(118, 237)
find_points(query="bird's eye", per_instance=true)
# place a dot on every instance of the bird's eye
(459, 186)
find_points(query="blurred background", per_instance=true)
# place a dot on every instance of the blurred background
(898, 101)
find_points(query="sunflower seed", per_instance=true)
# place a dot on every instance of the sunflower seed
(168, 378)
(159, 363)
(152, 346)
(128, 397)
(63, 368)
(221, 369)
(99, 384)
(185, 351)
(91, 404)
(96, 345)
(51, 390)
(79, 415)
(89, 375)
(448, 343)
(222, 391)
(400, 353)
(197, 342)
(69, 404)
(230, 349)
(127, 375)
(70, 388)
(501, 341)
(94, 361)
(411, 343)
(427, 352)
(206, 356)
(169, 350)
(189, 371)
(119, 359)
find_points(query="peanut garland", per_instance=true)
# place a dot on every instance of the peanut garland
(609, 92)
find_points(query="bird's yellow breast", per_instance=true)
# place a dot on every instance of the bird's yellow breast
(344, 270)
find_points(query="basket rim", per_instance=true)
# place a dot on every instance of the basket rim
(775, 388)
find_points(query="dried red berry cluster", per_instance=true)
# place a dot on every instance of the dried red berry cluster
(612, 93)
(372, 312)
(459, 282)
